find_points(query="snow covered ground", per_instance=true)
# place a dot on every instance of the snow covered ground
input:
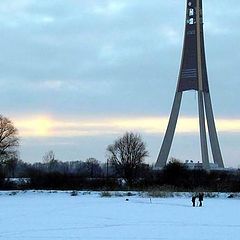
(43, 215)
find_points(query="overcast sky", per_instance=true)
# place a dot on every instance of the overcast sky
(76, 74)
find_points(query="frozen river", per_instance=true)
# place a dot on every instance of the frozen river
(50, 216)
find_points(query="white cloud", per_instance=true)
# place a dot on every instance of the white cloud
(217, 29)
(109, 7)
(173, 36)
(54, 84)
(47, 19)
(14, 6)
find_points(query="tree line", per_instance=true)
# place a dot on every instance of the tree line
(125, 168)
(93, 175)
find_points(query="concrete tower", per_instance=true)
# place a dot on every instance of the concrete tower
(193, 76)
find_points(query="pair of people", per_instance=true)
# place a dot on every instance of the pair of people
(200, 199)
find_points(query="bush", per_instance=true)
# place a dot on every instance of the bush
(74, 193)
(160, 194)
(12, 193)
(106, 194)
(211, 195)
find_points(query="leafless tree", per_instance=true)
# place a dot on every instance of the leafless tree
(127, 154)
(49, 157)
(9, 140)
(93, 167)
(50, 161)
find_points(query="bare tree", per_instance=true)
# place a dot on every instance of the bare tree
(93, 167)
(50, 161)
(127, 155)
(9, 140)
(49, 157)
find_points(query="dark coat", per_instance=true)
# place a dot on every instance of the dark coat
(200, 197)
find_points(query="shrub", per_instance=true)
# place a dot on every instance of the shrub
(106, 194)
(160, 194)
(211, 195)
(12, 193)
(74, 193)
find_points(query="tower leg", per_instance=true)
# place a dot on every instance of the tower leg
(168, 138)
(217, 156)
(203, 138)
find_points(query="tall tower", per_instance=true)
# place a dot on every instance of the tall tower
(193, 76)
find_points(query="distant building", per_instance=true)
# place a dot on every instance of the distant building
(197, 166)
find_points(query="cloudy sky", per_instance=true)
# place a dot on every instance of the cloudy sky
(76, 74)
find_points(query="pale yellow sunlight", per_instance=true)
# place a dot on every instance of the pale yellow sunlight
(51, 127)
(39, 126)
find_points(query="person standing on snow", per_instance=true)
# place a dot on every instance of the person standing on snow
(194, 200)
(200, 198)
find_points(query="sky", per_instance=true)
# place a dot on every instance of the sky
(77, 74)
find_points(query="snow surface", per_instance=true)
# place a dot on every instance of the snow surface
(57, 215)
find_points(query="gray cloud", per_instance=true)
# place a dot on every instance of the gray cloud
(134, 46)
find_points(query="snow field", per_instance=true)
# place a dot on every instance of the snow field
(50, 216)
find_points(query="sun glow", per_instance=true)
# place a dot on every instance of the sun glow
(50, 127)
(39, 126)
